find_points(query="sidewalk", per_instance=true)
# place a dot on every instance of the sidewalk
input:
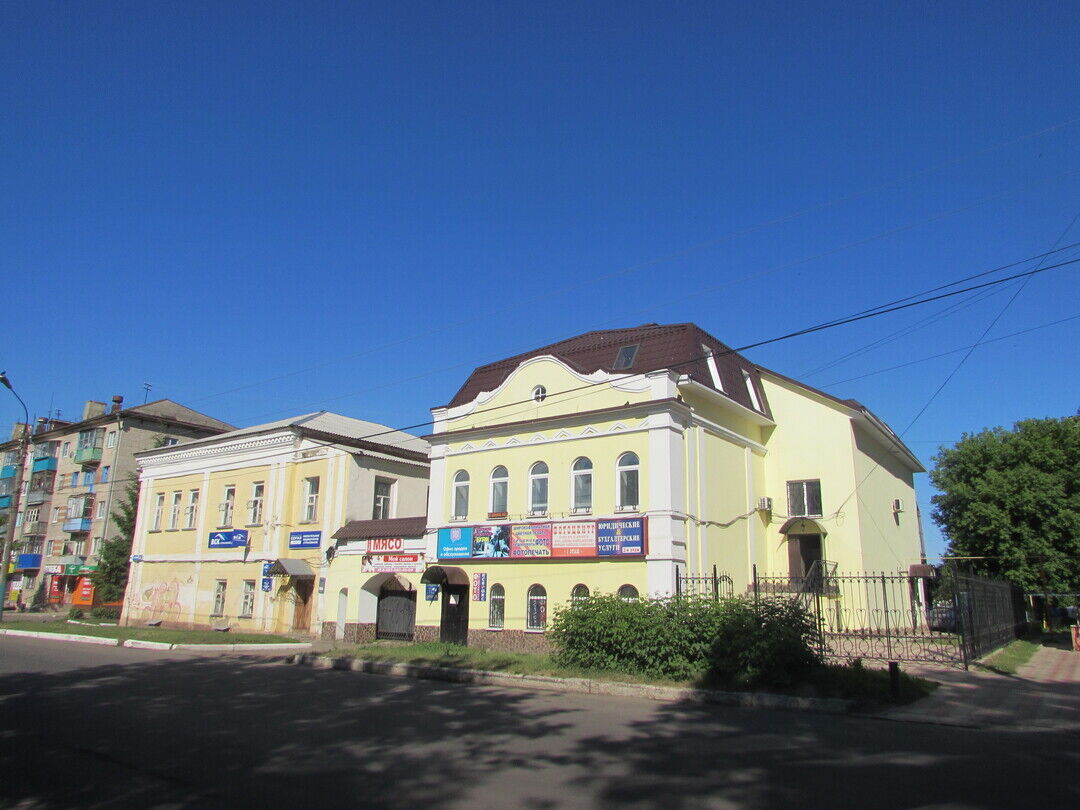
(1043, 695)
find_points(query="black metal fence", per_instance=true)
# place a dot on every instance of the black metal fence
(886, 616)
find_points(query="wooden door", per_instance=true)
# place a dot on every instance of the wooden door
(302, 589)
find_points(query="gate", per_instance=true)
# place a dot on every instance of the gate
(395, 615)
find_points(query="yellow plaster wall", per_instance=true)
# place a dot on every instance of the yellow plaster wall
(166, 540)
(890, 542)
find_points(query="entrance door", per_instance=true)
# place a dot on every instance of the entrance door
(803, 551)
(396, 613)
(302, 589)
(454, 628)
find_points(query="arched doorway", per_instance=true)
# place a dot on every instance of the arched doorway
(454, 618)
(806, 549)
(395, 615)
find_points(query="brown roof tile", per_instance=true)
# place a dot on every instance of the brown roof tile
(391, 527)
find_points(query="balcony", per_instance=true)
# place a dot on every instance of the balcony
(5, 501)
(8, 471)
(77, 525)
(36, 496)
(87, 455)
(37, 527)
(44, 463)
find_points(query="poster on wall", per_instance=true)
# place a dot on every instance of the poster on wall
(575, 539)
(455, 543)
(620, 538)
(305, 539)
(530, 540)
(479, 587)
(491, 542)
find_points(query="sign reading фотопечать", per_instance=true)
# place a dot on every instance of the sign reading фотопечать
(580, 539)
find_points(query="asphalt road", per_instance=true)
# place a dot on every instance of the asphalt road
(85, 726)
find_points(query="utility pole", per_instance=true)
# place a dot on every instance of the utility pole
(9, 530)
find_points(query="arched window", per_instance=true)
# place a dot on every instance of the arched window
(461, 494)
(499, 483)
(536, 609)
(627, 469)
(539, 393)
(628, 593)
(581, 484)
(578, 593)
(538, 487)
(496, 607)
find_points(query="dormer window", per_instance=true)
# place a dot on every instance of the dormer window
(752, 392)
(625, 358)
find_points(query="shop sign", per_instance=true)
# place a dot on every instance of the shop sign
(455, 543)
(479, 587)
(431, 592)
(84, 593)
(385, 545)
(392, 564)
(72, 570)
(530, 540)
(54, 569)
(237, 538)
(305, 539)
(576, 539)
(267, 583)
(55, 593)
(24, 561)
(618, 538)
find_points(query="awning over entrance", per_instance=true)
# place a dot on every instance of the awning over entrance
(802, 525)
(291, 568)
(444, 575)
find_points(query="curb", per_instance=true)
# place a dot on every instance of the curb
(146, 645)
(274, 648)
(105, 642)
(755, 700)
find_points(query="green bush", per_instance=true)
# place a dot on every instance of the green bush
(768, 642)
(106, 613)
(75, 613)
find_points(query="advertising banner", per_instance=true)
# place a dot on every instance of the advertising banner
(620, 538)
(455, 543)
(385, 545)
(576, 539)
(84, 592)
(491, 542)
(392, 564)
(479, 587)
(305, 539)
(234, 538)
(530, 540)
(55, 593)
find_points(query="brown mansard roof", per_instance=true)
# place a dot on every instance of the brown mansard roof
(660, 346)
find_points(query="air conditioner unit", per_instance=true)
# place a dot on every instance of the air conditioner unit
(764, 504)
(898, 505)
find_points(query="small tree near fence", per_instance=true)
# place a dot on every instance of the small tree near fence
(110, 578)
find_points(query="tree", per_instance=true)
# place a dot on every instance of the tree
(110, 578)
(1012, 497)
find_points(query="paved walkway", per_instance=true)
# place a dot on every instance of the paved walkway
(1043, 695)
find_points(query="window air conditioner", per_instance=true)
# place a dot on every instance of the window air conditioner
(764, 504)
(897, 505)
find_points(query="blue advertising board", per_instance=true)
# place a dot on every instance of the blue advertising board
(234, 538)
(455, 543)
(305, 539)
(618, 538)
(267, 583)
(27, 561)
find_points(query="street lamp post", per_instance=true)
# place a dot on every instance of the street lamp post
(9, 529)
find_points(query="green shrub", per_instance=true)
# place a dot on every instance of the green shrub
(106, 613)
(768, 642)
(75, 613)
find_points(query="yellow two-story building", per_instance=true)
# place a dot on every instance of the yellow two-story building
(235, 530)
(640, 462)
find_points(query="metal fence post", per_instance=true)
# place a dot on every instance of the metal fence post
(755, 586)
(715, 585)
(885, 604)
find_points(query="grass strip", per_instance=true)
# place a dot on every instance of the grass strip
(1010, 658)
(162, 634)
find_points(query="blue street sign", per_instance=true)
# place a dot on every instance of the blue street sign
(431, 592)
(305, 539)
(267, 583)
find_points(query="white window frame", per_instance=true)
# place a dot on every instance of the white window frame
(174, 509)
(247, 600)
(110, 439)
(503, 479)
(159, 512)
(802, 484)
(620, 467)
(220, 588)
(575, 473)
(752, 391)
(227, 506)
(311, 499)
(460, 485)
(382, 505)
(191, 512)
(99, 510)
(536, 477)
(714, 370)
(255, 505)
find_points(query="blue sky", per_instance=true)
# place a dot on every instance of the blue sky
(264, 209)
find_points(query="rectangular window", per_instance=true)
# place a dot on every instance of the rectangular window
(191, 513)
(95, 546)
(247, 606)
(255, 505)
(311, 500)
(32, 515)
(219, 598)
(105, 474)
(625, 358)
(169, 441)
(225, 508)
(100, 513)
(804, 498)
(66, 450)
(88, 478)
(174, 510)
(56, 512)
(383, 490)
(159, 508)
(110, 439)
(74, 479)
